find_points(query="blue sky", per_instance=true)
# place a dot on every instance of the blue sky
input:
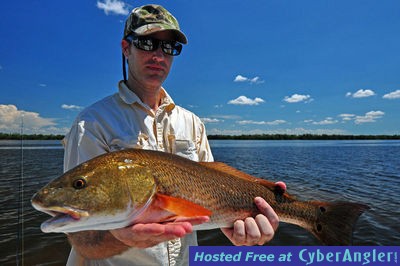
(250, 67)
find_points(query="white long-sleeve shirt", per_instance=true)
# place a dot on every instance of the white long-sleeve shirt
(123, 121)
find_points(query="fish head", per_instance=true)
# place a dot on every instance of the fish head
(101, 194)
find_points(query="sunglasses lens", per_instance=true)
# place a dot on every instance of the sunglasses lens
(146, 44)
(150, 44)
(171, 47)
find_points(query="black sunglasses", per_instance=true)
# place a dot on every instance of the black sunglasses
(147, 43)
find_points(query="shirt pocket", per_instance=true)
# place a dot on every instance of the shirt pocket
(128, 141)
(186, 148)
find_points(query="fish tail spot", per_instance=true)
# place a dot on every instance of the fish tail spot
(335, 222)
(319, 227)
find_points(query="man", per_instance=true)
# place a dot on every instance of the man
(142, 115)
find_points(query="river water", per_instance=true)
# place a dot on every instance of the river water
(360, 171)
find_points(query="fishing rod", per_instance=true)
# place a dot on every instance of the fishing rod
(19, 256)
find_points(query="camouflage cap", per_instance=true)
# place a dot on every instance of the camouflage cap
(148, 19)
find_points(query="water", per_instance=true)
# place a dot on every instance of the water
(361, 171)
(42, 162)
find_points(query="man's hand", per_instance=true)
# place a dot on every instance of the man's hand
(104, 244)
(148, 235)
(258, 230)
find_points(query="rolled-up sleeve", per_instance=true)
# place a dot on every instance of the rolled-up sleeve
(204, 149)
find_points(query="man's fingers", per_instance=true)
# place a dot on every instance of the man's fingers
(148, 229)
(237, 234)
(265, 227)
(267, 210)
(281, 185)
(194, 220)
(147, 235)
(253, 234)
(178, 229)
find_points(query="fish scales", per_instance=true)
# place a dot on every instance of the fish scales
(207, 187)
(130, 186)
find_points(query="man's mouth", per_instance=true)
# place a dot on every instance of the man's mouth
(155, 67)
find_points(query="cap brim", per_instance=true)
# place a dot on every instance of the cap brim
(156, 27)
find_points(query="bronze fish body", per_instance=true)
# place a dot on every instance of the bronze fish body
(121, 188)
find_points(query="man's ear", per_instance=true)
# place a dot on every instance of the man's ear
(125, 47)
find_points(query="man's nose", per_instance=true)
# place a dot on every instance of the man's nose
(158, 54)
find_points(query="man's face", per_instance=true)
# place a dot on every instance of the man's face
(149, 68)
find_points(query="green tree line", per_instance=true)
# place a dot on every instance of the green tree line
(303, 137)
(16, 136)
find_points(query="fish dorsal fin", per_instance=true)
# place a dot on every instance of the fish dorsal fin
(180, 207)
(222, 167)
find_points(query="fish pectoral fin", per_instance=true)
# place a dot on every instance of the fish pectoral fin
(180, 207)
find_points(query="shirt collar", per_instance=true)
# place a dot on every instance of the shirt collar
(129, 97)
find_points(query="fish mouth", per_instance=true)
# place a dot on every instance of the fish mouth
(57, 212)
(60, 215)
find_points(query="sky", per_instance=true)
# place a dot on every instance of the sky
(250, 67)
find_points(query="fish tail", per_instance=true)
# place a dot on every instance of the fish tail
(335, 222)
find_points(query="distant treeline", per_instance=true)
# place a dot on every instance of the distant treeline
(303, 137)
(13, 136)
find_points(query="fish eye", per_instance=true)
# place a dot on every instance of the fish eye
(79, 183)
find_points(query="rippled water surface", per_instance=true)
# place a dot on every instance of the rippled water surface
(361, 171)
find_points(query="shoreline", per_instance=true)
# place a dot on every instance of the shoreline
(16, 136)
(303, 137)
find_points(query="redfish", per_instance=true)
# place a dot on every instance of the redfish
(122, 188)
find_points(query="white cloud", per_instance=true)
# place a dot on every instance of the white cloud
(243, 100)
(11, 120)
(214, 119)
(71, 107)
(42, 85)
(393, 95)
(240, 78)
(255, 80)
(326, 121)
(290, 131)
(347, 117)
(207, 120)
(251, 122)
(369, 117)
(113, 6)
(295, 98)
(361, 94)
(227, 116)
